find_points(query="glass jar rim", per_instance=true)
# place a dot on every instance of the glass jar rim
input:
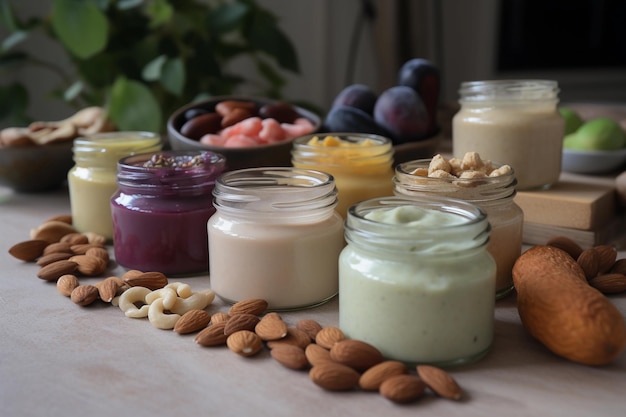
(507, 89)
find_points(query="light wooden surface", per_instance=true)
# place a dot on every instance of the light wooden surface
(58, 359)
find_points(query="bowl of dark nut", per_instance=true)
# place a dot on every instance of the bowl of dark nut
(248, 131)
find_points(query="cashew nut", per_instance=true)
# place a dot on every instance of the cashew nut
(183, 290)
(158, 318)
(167, 294)
(130, 297)
(198, 300)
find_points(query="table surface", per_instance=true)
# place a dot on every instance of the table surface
(57, 358)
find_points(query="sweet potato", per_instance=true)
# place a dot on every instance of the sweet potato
(561, 310)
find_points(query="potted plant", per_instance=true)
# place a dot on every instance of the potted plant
(142, 59)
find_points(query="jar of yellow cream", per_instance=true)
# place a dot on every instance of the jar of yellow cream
(93, 179)
(514, 122)
(360, 163)
(416, 280)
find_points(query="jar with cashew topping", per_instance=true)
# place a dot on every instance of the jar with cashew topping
(488, 185)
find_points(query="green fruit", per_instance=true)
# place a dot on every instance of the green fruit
(572, 119)
(597, 134)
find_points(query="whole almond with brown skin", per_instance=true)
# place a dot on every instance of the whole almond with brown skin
(256, 306)
(309, 326)
(212, 335)
(95, 238)
(65, 218)
(589, 261)
(316, 354)
(238, 322)
(244, 343)
(328, 336)
(220, 317)
(52, 231)
(108, 288)
(82, 248)
(152, 280)
(66, 284)
(334, 376)
(53, 271)
(609, 283)
(440, 382)
(372, 378)
(402, 388)
(56, 247)
(607, 255)
(28, 250)
(619, 267)
(290, 356)
(98, 252)
(294, 337)
(271, 327)
(53, 257)
(192, 321)
(566, 244)
(89, 265)
(75, 238)
(83, 295)
(355, 354)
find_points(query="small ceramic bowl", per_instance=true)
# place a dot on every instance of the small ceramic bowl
(593, 162)
(276, 154)
(35, 168)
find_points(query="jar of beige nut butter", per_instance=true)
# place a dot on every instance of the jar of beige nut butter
(514, 122)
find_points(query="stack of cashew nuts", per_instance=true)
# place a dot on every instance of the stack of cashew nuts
(163, 306)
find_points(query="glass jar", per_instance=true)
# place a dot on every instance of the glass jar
(495, 195)
(92, 180)
(161, 208)
(416, 280)
(275, 236)
(514, 122)
(360, 163)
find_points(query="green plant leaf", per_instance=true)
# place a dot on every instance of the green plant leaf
(132, 106)
(73, 91)
(13, 39)
(81, 26)
(265, 36)
(152, 70)
(7, 17)
(173, 76)
(227, 17)
(14, 103)
(160, 12)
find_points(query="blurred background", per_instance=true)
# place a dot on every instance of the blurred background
(579, 43)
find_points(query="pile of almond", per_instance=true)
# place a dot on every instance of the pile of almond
(603, 270)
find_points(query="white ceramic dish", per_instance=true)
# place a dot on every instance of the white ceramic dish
(593, 162)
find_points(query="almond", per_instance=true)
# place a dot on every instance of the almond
(219, 317)
(290, 356)
(74, 238)
(334, 376)
(402, 388)
(238, 322)
(356, 354)
(84, 295)
(609, 283)
(53, 271)
(566, 244)
(328, 336)
(244, 343)
(372, 378)
(619, 267)
(271, 327)
(65, 218)
(108, 288)
(607, 255)
(151, 280)
(309, 326)
(66, 284)
(82, 248)
(53, 257)
(58, 247)
(294, 337)
(98, 252)
(589, 261)
(28, 250)
(254, 306)
(316, 354)
(52, 231)
(89, 265)
(192, 321)
(212, 335)
(440, 382)
(95, 238)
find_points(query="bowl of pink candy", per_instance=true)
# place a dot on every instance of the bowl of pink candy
(248, 131)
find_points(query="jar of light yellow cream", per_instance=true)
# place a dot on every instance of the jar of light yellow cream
(416, 280)
(490, 186)
(93, 179)
(514, 122)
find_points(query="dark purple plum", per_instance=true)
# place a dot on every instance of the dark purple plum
(400, 111)
(356, 95)
(423, 77)
(353, 120)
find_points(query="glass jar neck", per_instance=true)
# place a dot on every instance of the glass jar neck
(465, 237)
(474, 190)
(355, 150)
(276, 195)
(509, 93)
(136, 176)
(104, 150)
